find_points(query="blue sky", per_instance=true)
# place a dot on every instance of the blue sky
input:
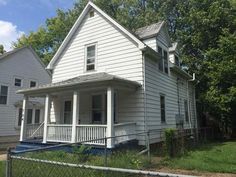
(19, 17)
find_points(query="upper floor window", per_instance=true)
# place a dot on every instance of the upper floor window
(33, 84)
(18, 82)
(3, 94)
(163, 108)
(90, 57)
(163, 63)
(91, 14)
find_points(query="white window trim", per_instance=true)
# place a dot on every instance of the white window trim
(33, 80)
(8, 91)
(164, 48)
(22, 81)
(85, 57)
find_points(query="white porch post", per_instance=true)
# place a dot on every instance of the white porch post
(75, 115)
(23, 119)
(110, 117)
(46, 116)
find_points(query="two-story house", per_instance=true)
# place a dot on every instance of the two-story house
(20, 69)
(108, 81)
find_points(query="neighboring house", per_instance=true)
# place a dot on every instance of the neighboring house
(108, 81)
(19, 69)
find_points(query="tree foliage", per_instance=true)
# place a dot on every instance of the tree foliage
(2, 49)
(204, 29)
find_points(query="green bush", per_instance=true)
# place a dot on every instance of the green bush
(169, 141)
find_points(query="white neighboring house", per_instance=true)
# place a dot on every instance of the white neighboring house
(20, 69)
(108, 81)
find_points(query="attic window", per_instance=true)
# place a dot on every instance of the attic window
(91, 14)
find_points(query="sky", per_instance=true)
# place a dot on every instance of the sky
(18, 17)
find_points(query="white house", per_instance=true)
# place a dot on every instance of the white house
(19, 69)
(108, 81)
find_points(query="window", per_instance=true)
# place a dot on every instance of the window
(177, 61)
(91, 14)
(160, 64)
(32, 84)
(3, 94)
(186, 110)
(19, 116)
(162, 106)
(90, 57)
(166, 62)
(18, 82)
(37, 116)
(68, 112)
(97, 109)
(29, 116)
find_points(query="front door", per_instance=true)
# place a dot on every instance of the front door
(97, 109)
(68, 112)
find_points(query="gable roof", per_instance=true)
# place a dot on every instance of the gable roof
(14, 51)
(149, 31)
(90, 5)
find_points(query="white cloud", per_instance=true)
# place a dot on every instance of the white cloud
(8, 34)
(3, 2)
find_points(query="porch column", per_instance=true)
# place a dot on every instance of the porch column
(75, 115)
(110, 117)
(46, 116)
(24, 118)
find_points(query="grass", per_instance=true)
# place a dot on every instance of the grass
(213, 157)
(2, 168)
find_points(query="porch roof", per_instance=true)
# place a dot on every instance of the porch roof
(78, 81)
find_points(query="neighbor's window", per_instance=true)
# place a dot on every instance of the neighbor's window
(3, 94)
(37, 116)
(162, 106)
(160, 64)
(186, 110)
(18, 82)
(32, 84)
(29, 116)
(90, 57)
(166, 62)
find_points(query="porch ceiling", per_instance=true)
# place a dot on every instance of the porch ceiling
(80, 82)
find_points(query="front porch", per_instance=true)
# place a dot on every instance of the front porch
(87, 113)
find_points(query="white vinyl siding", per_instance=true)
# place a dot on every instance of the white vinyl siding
(24, 65)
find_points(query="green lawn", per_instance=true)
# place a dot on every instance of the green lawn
(2, 168)
(213, 157)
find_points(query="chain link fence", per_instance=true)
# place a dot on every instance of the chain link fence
(82, 159)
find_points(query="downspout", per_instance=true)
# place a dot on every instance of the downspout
(189, 114)
(144, 95)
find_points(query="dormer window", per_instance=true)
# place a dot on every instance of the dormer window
(90, 57)
(91, 14)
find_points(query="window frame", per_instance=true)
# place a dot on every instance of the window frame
(86, 58)
(21, 82)
(91, 12)
(8, 90)
(164, 61)
(33, 81)
(163, 121)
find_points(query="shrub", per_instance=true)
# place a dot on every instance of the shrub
(169, 141)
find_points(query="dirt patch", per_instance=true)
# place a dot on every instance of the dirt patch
(3, 157)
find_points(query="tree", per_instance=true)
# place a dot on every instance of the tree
(2, 49)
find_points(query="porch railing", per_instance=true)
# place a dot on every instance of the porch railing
(59, 133)
(128, 128)
(34, 131)
(90, 132)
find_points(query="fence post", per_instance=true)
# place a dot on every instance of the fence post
(105, 160)
(8, 163)
(148, 146)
